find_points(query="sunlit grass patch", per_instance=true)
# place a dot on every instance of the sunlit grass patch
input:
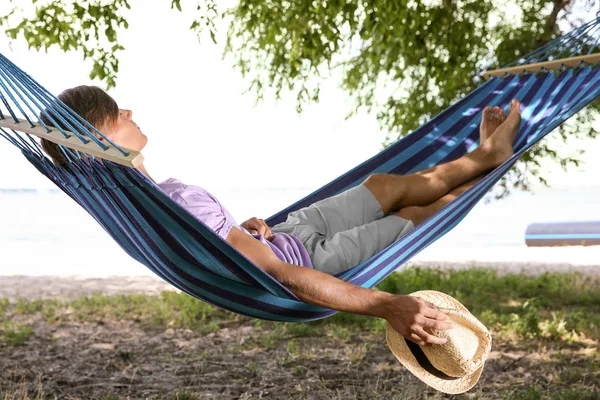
(14, 334)
(550, 306)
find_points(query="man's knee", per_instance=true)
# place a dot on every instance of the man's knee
(388, 189)
(379, 180)
(415, 214)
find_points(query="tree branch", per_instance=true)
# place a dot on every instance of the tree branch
(559, 5)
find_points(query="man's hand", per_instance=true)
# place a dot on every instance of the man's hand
(258, 226)
(409, 315)
(412, 317)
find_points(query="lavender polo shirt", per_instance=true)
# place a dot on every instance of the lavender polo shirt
(207, 209)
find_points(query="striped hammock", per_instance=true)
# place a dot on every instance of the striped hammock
(180, 249)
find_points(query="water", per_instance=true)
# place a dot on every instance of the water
(44, 232)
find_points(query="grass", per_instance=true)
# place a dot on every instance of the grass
(14, 334)
(549, 311)
(552, 306)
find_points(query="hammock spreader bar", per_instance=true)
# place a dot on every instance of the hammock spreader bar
(547, 65)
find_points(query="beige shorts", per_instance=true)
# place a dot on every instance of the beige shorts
(344, 230)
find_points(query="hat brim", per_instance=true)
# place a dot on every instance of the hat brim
(399, 348)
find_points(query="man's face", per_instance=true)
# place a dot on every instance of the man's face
(126, 133)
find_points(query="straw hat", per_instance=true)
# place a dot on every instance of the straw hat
(455, 366)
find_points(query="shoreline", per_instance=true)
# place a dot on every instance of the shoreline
(33, 287)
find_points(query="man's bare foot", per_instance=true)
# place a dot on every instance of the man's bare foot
(490, 121)
(500, 143)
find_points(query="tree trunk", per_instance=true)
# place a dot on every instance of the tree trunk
(546, 36)
(559, 5)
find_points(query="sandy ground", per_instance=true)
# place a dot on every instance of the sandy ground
(47, 286)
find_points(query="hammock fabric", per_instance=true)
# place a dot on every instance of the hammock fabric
(176, 246)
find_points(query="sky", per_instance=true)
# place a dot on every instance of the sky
(201, 128)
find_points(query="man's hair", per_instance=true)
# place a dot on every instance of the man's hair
(92, 104)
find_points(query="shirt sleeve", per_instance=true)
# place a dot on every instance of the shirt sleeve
(206, 209)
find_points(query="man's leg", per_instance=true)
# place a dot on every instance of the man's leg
(349, 248)
(418, 214)
(425, 187)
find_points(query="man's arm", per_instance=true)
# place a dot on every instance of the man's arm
(408, 315)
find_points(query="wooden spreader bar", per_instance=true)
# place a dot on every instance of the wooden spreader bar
(549, 65)
(134, 159)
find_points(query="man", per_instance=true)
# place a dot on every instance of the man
(333, 234)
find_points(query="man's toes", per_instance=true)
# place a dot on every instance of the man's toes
(497, 111)
(502, 116)
(515, 106)
(487, 113)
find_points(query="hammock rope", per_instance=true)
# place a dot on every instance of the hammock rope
(179, 248)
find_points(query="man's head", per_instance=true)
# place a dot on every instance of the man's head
(99, 109)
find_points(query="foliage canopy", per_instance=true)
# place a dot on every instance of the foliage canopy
(404, 61)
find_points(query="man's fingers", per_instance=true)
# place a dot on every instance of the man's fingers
(258, 226)
(430, 305)
(429, 338)
(415, 338)
(433, 312)
(423, 338)
(441, 325)
(264, 228)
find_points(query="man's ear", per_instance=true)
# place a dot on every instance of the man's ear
(101, 139)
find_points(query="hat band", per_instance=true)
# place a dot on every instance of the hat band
(425, 363)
